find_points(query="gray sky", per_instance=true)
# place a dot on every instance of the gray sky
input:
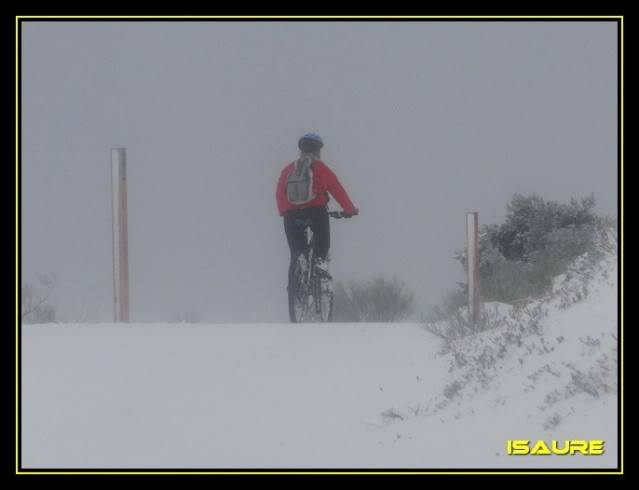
(422, 121)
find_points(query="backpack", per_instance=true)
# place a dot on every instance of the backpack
(299, 184)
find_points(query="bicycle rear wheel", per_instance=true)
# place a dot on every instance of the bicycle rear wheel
(324, 305)
(310, 297)
(299, 297)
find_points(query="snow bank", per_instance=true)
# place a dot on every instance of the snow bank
(324, 396)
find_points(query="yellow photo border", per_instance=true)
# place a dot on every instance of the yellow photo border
(505, 471)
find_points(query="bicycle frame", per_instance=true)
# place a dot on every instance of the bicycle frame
(310, 285)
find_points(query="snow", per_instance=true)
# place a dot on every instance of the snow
(326, 396)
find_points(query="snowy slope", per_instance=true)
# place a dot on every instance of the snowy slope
(338, 395)
(548, 372)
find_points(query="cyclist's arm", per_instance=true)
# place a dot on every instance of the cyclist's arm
(337, 190)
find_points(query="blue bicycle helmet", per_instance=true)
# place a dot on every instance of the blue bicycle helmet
(310, 142)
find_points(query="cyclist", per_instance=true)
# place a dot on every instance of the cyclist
(302, 196)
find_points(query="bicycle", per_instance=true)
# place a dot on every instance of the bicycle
(310, 298)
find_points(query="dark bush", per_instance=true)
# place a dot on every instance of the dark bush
(537, 241)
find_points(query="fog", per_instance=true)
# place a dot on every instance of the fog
(422, 122)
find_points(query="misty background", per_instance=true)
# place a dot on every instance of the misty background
(422, 122)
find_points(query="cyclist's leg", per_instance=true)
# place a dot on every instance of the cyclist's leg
(321, 232)
(322, 237)
(296, 240)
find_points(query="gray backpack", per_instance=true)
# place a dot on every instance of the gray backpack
(299, 184)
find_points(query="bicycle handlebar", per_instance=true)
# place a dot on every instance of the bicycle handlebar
(338, 214)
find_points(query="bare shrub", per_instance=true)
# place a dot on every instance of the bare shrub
(375, 300)
(451, 303)
(35, 306)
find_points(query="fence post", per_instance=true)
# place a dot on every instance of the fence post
(472, 239)
(120, 236)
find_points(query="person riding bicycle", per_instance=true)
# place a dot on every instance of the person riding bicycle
(302, 196)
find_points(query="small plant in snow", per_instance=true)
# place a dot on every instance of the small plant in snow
(590, 342)
(452, 389)
(552, 422)
(391, 415)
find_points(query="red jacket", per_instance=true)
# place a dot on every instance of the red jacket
(324, 182)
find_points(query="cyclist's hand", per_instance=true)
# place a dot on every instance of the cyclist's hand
(350, 215)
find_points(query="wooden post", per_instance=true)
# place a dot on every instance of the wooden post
(472, 238)
(120, 236)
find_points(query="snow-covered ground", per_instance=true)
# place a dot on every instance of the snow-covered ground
(328, 396)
